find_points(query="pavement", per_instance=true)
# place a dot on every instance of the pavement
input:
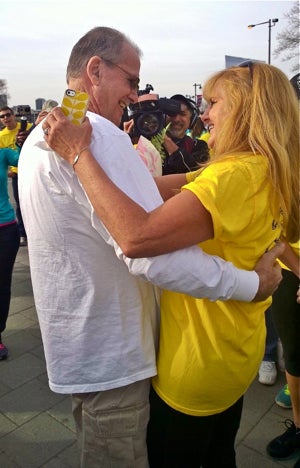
(36, 425)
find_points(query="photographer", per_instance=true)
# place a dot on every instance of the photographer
(145, 123)
(183, 153)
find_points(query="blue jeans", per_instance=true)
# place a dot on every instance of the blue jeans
(271, 338)
(9, 246)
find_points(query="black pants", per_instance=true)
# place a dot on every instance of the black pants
(286, 316)
(14, 182)
(9, 245)
(177, 440)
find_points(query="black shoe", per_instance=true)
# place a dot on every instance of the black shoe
(285, 444)
(297, 464)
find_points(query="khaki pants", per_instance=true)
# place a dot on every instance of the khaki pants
(112, 426)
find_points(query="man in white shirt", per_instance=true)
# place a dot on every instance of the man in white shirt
(97, 309)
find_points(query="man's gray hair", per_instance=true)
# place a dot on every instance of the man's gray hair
(104, 42)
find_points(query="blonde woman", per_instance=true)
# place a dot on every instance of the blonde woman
(237, 207)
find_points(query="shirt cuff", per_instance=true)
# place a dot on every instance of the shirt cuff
(247, 286)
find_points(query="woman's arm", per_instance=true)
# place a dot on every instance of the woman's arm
(291, 259)
(169, 185)
(180, 222)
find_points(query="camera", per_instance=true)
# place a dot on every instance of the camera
(23, 123)
(149, 116)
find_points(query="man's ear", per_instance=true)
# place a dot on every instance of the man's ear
(93, 69)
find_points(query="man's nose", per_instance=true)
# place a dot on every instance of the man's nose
(175, 117)
(133, 96)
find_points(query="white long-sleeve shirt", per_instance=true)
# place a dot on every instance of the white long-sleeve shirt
(98, 311)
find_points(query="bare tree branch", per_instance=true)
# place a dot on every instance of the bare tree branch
(288, 39)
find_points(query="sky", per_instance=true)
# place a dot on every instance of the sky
(183, 42)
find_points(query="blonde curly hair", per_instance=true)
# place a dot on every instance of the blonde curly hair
(263, 119)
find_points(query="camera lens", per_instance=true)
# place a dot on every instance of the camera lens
(70, 92)
(148, 124)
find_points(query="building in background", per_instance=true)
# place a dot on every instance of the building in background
(23, 110)
(232, 61)
(39, 103)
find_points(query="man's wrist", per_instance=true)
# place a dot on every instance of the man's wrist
(76, 159)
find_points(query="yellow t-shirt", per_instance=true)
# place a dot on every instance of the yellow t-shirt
(8, 139)
(210, 352)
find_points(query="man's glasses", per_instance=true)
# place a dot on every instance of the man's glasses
(133, 82)
(248, 64)
(8, 114)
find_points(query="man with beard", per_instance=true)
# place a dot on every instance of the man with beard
(183, 153)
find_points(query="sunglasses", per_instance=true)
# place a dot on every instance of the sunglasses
(8, 114)
(248, 64)
(133, 82)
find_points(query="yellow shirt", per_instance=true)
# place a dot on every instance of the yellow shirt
(210, 352)
(8, 139)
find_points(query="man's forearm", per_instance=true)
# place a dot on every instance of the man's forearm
(193, 272)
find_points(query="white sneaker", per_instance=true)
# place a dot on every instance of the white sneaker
(267, 373)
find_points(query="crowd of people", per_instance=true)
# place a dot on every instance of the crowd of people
(164, 281)
(12, 230)
(12, 137)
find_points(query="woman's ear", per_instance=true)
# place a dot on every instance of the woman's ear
(93, 69)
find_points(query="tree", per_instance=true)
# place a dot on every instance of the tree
(3, 93)
(2, 86)
(289, 38)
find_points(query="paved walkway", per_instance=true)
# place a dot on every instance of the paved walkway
(36, 426)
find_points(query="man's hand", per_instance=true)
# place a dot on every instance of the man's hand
(21, 137)
(269, 272)
(169, 145)
(128, 126)
(64, 137)
(41, 116)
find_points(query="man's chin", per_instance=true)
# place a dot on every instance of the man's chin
(175, 134)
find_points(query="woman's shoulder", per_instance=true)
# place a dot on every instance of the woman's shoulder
(238, 169)
(7, 151)
(239, 161)
(9, 154)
